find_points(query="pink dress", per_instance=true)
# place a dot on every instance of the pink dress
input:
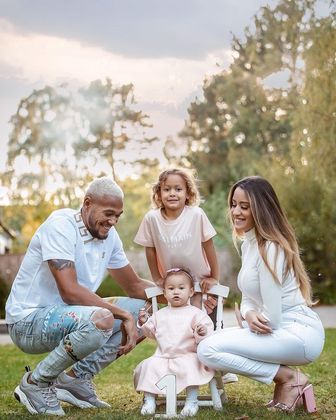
(174, 330)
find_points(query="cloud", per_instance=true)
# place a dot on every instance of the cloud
(54, 60)
(148, 28)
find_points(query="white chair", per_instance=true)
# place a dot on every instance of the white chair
(217, 396)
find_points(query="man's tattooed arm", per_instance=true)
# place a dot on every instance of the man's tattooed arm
(61, 264)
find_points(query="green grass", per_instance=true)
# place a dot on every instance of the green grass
(114, 384)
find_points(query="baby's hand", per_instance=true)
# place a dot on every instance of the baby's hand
(142, 316)
(201, 330)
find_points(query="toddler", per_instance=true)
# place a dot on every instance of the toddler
(177, 329)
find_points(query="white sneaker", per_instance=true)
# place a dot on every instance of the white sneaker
(190, 409)
(229, 378)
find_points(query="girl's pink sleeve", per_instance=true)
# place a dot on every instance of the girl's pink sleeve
(208, 231)
(149, 327)
(144, 235)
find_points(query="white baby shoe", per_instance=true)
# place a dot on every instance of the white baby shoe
(148, 407)
(190, 409)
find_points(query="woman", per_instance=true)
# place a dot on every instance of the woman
(279, 328)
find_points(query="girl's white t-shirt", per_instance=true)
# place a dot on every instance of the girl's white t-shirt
(178, 243)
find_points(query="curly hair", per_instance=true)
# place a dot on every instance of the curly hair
(190, 180)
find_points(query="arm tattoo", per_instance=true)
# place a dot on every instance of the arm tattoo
(61, 264)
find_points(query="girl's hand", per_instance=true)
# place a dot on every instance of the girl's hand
(257, 323)
(207, 283)
(142, 316)
(201, 330)
(159, 282)
(210, 304)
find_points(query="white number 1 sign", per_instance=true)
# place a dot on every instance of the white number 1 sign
(169, 382)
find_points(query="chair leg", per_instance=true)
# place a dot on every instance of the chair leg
(216, 398)
(220, 387)
(224, 397)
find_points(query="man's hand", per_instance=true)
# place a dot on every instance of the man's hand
(207, 283)
(257, 323)
(129, 335)
(201, 330)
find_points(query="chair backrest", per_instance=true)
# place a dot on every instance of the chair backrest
(219, 291)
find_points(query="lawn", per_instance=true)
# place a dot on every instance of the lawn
(246, 398)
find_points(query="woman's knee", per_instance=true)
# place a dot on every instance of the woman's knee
(204, 351)
(103, 319)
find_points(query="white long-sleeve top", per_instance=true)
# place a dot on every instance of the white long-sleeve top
(260, 291)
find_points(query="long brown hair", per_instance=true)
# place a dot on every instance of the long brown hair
(271, 224)
(190, 180)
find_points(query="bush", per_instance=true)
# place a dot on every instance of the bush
(109, 288)
(4, 292)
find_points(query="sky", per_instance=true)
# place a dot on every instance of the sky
(164, 47)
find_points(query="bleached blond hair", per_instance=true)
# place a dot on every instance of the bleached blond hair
(103, 186)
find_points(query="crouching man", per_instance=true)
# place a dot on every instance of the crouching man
(53, 306)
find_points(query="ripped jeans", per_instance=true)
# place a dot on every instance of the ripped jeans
(71, 337)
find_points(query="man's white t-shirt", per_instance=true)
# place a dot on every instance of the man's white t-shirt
(62, 236)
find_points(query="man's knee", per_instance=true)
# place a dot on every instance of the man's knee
(103, 319)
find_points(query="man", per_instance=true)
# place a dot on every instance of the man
(53, 306)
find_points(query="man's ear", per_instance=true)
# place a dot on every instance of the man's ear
(87, 201)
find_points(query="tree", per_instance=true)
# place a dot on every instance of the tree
(309, 190)
(109, 122)
(241, 125)
(40, 129)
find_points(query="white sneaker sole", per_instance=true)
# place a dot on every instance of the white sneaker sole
(66, 396)
(22, 398)
(229, 378)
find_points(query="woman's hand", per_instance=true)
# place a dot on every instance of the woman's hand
(257, 323)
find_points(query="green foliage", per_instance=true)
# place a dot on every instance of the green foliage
(110, 288)
(136, 203)
(4, 292)
(115, 385)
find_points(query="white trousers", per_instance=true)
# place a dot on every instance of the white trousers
(298, 341)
